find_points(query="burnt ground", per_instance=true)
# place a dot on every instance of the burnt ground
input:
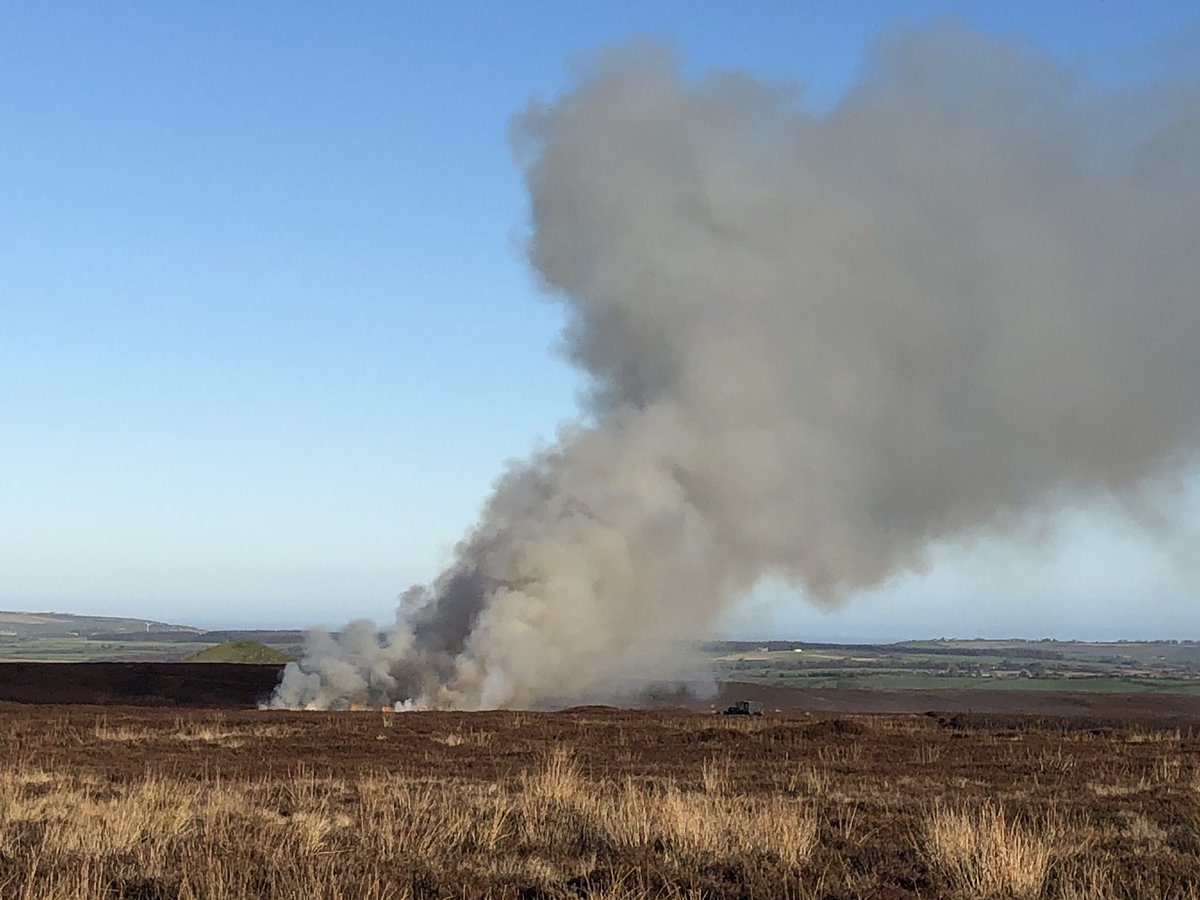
(185, 685)
(221, 686)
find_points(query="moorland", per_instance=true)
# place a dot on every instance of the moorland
(938, 769)
(122, 802)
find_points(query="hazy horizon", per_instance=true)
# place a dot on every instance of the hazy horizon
(738, 635)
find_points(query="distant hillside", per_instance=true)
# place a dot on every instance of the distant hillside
(52, 624)
(240, 652)
(265, 636)
(64, 637)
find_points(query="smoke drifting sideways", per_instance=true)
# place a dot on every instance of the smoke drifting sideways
(819, 345)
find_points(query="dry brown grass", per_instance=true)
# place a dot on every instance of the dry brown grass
(216, 731)
(214, 838)
(466, 738)
(985, 853)
(169, 806)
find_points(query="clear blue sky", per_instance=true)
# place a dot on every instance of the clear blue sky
(266, 337)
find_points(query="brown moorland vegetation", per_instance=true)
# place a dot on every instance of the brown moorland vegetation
(155, 803)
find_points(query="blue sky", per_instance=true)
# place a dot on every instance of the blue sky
(266, 336)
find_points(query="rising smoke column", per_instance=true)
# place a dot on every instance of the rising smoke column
(818, 346)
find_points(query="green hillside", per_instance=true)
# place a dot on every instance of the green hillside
(15, 624)
(240, 652)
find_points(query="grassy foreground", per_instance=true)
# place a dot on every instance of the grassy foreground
(591, 804)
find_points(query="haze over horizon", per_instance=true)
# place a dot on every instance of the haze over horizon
(269, 336)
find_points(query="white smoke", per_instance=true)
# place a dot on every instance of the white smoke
(818, 345)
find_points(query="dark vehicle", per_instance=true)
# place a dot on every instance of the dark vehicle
(745, 708)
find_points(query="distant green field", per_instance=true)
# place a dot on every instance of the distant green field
(240, 652)
(1120, 667)
(79, 649)
(64, 637)
(897, 682)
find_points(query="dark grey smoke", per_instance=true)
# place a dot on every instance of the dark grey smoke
(818, 345)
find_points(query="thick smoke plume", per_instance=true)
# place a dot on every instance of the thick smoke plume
(818, 344)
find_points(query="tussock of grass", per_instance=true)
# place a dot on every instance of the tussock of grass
(985, 853)
(468, 738)
(687, 827)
